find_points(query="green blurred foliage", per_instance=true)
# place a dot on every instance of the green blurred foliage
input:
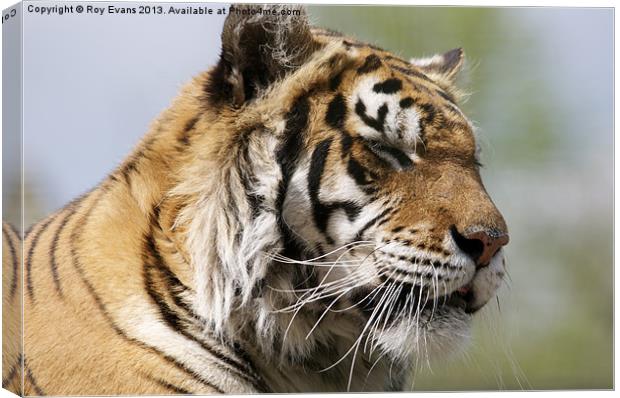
(553, 325)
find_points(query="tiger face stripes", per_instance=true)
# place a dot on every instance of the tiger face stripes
(305, 219)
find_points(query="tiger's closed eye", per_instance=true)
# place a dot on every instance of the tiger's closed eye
(396, 158)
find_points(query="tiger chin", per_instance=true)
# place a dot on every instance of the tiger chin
(307, 216)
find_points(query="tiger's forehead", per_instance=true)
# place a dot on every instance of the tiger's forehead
(381, 97)
(384, 113)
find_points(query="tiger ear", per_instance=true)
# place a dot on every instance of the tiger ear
(441, 67)
(260, 44)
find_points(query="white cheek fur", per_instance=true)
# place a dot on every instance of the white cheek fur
(488, 280)
(297, 210)
(420, 341)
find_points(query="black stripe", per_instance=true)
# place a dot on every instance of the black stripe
(333, 60)
(175, 389)
(402, 62)
(139, 343)
(358, 172)
(389, 86)
(406, 102)
(184, 138)
(132, 164)
(378, 123)
(360, 233)
(103, 310)
(429, 111)
(174, 284)
(173, 320)
(153, 261)
(175, 287)
(191, 123)
(421, 88)
(321, 211)
(14, 261)
(217, 87)
(371, 64)
(446, 96)
(356, 44)
(248, 179)
(346, 143)
(13, 372)
(412, 73)
(456, 125)
(287, 157)
(335, 81)
(31, 378)
(12, 228)
(427, 120)
(380, 223)
(336, 112)
(71, 209)
(403, 160)
(240, 352)
(296, 123)
(53, 262)
(31, 249)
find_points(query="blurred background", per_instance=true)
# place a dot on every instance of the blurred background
(541, 81)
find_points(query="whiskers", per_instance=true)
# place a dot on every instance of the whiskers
(391, 301)
(501, 330)
(314, 261)
(324, 289)
(411, 302)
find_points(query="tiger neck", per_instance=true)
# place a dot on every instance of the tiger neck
(212, 216)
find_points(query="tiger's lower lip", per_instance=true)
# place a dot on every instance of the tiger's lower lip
(461, 298)
(458, 300)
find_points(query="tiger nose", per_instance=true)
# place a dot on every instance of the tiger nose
(482, 245)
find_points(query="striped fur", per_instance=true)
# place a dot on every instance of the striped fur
(11, 309)
(286, 225)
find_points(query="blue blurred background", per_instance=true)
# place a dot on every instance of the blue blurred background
(541, 84)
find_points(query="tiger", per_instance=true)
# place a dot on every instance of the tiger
(11, 305)
(307, 216)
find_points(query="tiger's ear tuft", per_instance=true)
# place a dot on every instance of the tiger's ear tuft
(260, 44)
(442, 67)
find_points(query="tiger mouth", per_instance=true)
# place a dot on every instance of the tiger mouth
(462, 298)
(409, 300)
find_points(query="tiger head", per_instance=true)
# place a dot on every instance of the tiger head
(342, 194)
